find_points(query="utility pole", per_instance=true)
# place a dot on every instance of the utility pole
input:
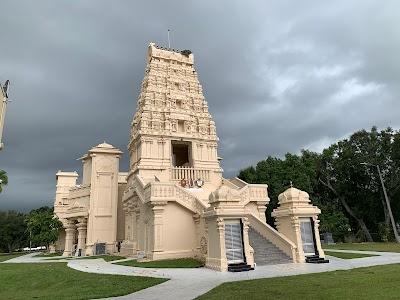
(389, 208)
(3, 105)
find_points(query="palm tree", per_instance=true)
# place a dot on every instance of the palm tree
(3, 179)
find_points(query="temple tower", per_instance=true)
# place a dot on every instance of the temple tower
(173, 136)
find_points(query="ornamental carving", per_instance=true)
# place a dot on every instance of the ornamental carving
(203, 245)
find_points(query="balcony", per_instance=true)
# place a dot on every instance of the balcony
(187, 173)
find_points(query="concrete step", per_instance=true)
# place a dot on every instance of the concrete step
(241, 267)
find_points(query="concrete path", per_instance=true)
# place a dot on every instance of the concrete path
(190, 283)
(31, 258)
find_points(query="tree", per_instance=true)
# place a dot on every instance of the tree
(3, 179)
(302, 171)
(43, 226)
(357, 187)
(348, 193)
(12, 231)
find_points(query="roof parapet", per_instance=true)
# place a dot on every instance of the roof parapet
(184, 56)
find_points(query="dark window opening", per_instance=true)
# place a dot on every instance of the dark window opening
(181, 154)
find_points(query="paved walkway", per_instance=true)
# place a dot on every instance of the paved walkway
(190, 283)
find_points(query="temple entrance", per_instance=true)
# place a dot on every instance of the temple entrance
(234, 242)
(307, 236)
(181, 154)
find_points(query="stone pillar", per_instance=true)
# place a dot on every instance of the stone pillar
(221, 235)
(158, 224)
(261, 207)
(248, 250)
(139, 237)
(295, 223)
(82, 232)
(196, 219)
(70, 229)
(128, 246)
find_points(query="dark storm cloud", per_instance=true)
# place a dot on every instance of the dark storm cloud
(278, 75)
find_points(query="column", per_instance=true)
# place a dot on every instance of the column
(82, 232)
(261, 210)
(295, 221)
(248, 250)
(221, 234)
(138, 231)
(158, 226)
(69, 237)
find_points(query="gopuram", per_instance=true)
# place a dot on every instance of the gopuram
(174, 201)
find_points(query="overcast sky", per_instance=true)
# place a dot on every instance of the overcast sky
(278, 76)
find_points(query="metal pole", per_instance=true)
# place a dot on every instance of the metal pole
(3, 106)
(396, 234)
(169, 41)
(30, 241)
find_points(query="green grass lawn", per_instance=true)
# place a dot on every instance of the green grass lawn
(7, 256)
(57, 281)
(347, 255)
(380, 282)
(382, 247)
(169, 263)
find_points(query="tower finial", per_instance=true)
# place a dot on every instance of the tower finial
(169, 41)
(291, 184)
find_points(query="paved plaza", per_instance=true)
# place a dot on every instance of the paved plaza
(190, 283)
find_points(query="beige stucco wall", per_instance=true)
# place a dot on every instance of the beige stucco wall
(120, 213)
(180, 236)
(102, 221)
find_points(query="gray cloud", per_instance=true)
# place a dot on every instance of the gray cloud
(278, 75)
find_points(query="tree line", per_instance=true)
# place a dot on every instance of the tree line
(37, 228)
(343, 181)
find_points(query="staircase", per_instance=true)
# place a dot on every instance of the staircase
(241, 267)
(266, 253)
(315, 259)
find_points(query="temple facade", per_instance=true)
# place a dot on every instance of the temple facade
(174, 201)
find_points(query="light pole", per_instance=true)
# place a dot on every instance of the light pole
(4, 91)
(396, 234)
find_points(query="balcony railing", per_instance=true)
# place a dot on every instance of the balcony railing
(179, 173)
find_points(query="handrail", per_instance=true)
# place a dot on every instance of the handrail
(179, 173)
(271, 234)
(197, 203)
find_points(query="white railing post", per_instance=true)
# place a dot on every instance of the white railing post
(187, 173)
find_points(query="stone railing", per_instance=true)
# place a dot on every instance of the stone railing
(189, 200)
(160, 191)
(78, 193)
(179, 173)
(140, 189)
(257, 192)
(164, 191)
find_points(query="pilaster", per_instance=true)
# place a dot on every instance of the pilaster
(248, 250)
(158, 211)
(82, 234)
(70, 230)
